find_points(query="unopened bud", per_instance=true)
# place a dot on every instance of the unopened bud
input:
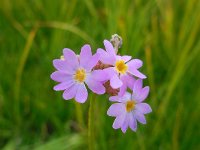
(116, 40)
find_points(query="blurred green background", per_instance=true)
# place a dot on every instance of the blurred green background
(163, 33)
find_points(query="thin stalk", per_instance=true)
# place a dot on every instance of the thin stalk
(79, 115)
(19, 72)
(91, 139)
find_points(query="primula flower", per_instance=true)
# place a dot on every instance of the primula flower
(122, 68)
(74, 71)
(130, 107)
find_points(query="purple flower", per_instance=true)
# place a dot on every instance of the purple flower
(130, 108)
(122, 68)
(74, 71)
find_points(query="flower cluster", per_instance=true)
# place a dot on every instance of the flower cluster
(105, 72)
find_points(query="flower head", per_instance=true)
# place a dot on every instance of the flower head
(130, 107)
(121, 70)
(74, 71)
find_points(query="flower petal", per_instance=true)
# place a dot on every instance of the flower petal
(62, 65)
(135, 64)
(110, 72)
(144, 108)
(119, 120)
(122, 89)
(109, 47)
(60, 76)
(105, 57)
(128, 81)
(71, 58)
(82, 94)
(132, 123)
(137, 86)
(92, 62)
(95, 86)
(137, 74)
(85, 55)
(63, 85)
(126, 58)
(137, 90)
(124, 126)
(143, 94)
(140, 117)
(122, 99)
(115, 82)
(99, 75)
(59, 64)
(70, 92)
(116, 109)
(118, 57)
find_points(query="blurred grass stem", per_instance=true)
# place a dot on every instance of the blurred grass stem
(19, 72)
(90, 123)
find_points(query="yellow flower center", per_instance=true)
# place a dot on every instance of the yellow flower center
(80, 75)
(130, 105)
(121, 67)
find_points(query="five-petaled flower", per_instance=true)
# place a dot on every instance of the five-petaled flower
(122, 69)
(74, 71)
(130, 107)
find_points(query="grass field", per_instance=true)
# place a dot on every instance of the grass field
(163, 33)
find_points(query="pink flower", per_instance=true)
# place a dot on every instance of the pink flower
(130, 108)
(73, 72)
(123, 69)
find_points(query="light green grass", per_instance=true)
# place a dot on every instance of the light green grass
(164, 34)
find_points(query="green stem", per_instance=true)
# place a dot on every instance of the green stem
(19, 73)
(90, 123)
(79, 115)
